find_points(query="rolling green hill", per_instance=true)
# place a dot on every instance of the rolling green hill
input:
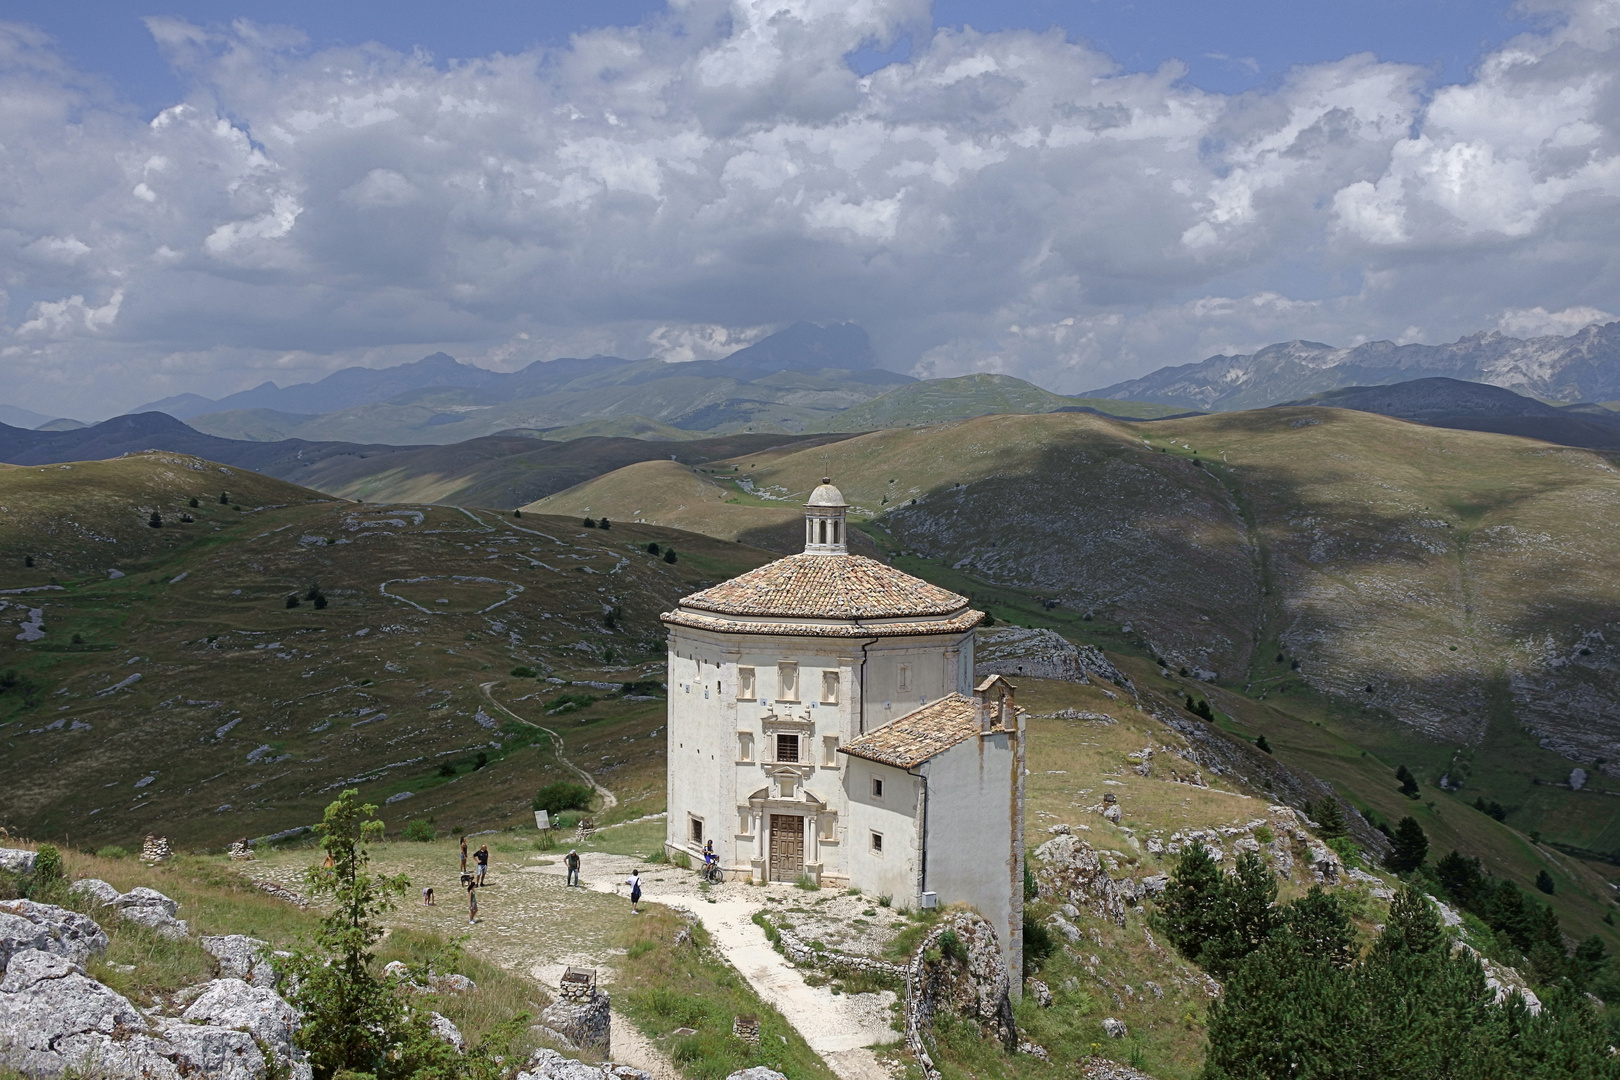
(1432, 594)
(186, 698)
(936, 401)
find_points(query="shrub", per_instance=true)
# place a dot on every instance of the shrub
(523, 672)
(952, 947)
(1544, 882)
(562, 795)
(193, 504)
(156, 520)
(48, 864)
(1409, 784)
(480, 761)
(78, 638)
(420, 831)
(112, 851)
(807, 883)
(643, 687)
(320, 602)
(28, 560)
(292, 601)
(1264, 834)
(1262, 744)
(1038, 945)
(1031, 888)
(652, 549)
(589, 523)
(448, 768)
(604, 524)
(517, 513)
(669, 555)
(224, 499)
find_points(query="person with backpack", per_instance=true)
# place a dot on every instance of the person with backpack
(634, 881)
(572, 862)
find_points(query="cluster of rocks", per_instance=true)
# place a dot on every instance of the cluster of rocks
(142, 906)
(155, 849)
(241, 851)
(583, 1022)
(1069, 869)
(1041, 654)
(545, 1064)
(55, 1018)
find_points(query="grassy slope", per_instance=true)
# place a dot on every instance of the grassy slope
(372, 690)
(1361, 546)
(936, 401)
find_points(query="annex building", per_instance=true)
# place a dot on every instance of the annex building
(824, 723)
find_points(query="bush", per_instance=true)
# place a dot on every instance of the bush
(952, 948)
(112, 851)
(652, 549)
(604, 524)
(292, 601)
(523, 672)
(224, 499)
(28, 560)
(1262, 744)
(480, 761)
(669, 555)
(1038, 945)
(562, 795)
(48, 864)
(448, 768)
(420, 831)
(643, 687)
(1544, 882)
(156, 520)
(194, 503)
(589, 523)
(517, 513)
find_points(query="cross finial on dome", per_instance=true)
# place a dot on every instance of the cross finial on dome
(824, 521)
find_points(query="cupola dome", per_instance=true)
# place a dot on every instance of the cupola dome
(824, 521)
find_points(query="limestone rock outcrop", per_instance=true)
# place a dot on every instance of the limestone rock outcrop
(1068, 868)
(241, 957)
(150, 908)
(46, 928)
(550, 1065)
(17, 860)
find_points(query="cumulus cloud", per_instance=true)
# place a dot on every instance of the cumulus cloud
(1012, 202)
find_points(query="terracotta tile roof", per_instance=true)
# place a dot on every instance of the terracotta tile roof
(827, 587)
(918, 735)
(787, 628)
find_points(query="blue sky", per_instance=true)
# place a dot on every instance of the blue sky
(199, 196)
(1228, 46)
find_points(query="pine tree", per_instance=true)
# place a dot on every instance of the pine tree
(1413, 925)
(652, 549)
(1319, 922)
(224, 498)
(1262, 744)
(589, 523)
(669, 555)
(1192, 906)
(1544, 882)
(1461, 877)
(604, 524)
(156, 520)
(1329, 817)
(1246, 917)
(1411, 847)
(1409, 784)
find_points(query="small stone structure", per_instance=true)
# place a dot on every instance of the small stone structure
(241, 851)
(584, 1021)
(155, 849)
(746, 1028)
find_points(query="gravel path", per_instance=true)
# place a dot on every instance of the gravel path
(609, 800)
(839, 1027)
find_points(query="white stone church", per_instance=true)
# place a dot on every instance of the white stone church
(823, 723)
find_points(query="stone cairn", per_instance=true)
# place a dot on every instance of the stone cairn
(746, 1028)
(240, 852)
(155, 849)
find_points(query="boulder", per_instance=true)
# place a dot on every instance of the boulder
(758, 1072)
(585, 1022)
(232, 1003)
(1040, 992)
(241, 957)
(54, 1019)
(976, 988)
(1114, 1029)
(150, 908)
(25, 924)
(96, 889)
(17, 860)
(545, 1064)
(1069, 868)
(1154, 884)
(444, 1028)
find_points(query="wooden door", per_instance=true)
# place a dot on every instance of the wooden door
(787, 847)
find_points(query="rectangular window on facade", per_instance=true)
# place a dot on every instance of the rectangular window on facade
(745, 746)
(877, 787)
(787, 681)
(787, 748)
(829, 828)
(877, 843)
(829, 687)
(745, 684)
(745, 823)
(829, 750)
(696, 829)
(903, 679)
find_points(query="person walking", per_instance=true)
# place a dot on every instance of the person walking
(572, 862)
(472, 902)
(634, 881)
(463, 854)
(481, 857)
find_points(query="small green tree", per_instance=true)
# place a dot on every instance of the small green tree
(604, 524)
(224, 498)
(47, 864)
(669, 555)
(1409, 784)
(1413, 925)
(1544, 882)
(292, 601)
(1262, 744)
(194, 503)
(1329, 817)
(156, 520)
(517, 513)
(1411, 847)
(589, 523)
(420, 830)
(1245, 915)
(652, 549)
(562, 795)
(1191, 908)
(1318, 921)
(353, 1018)
(28, 560)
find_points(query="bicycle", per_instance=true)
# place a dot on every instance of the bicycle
(712, 873)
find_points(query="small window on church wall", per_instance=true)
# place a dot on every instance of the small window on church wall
(829, 750)
(745, 746)
(835, 532)
(829, 827)
(903, 680)
(787, 681)
(745, 823)
(787, 748)
(829, 687)
(877, 787)
(823, 531)
(745, 684)
(877, 843)
(696, 829)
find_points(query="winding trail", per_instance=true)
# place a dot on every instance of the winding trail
(609, 800)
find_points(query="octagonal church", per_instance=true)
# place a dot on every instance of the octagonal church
(824, 724)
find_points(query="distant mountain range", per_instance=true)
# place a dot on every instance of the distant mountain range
(1582, 367)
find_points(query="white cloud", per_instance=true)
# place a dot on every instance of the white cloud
(1538, 321)
(674, 189)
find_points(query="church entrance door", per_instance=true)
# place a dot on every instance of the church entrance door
(787, 847)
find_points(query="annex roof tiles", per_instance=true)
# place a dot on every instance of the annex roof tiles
(919, 735)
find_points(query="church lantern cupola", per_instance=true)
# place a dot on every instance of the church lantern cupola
(824, 521)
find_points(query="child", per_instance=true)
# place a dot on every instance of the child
(634, 881)
(472, 902)
(427, 896)
(463, 854)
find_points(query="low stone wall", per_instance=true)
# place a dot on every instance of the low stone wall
(804, 955)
